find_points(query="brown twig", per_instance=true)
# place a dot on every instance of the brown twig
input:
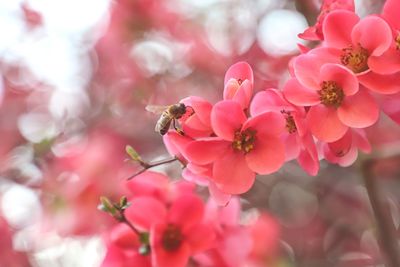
(147, 166)
(384, 222)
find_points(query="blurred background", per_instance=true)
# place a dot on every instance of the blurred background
(75, 77)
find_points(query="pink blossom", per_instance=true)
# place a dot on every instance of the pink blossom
(348, 41)
(242, 147)
(176, 230)
(335, 98)
(390, 105)
(315, 32)
(298, 141)
(345, 150)
(238, 84)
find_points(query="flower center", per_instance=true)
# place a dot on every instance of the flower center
(172, 238)
(290, 124)
(331, 94)
(397, 41)
(355, 58)
(244, 140)
(239, 81)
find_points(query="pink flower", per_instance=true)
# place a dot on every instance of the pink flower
(315, 32)
(344, 151)
(298, 140)
(389, 62)
(176, 231)
(335, 98)
(238, 84)
(198, 174)
(348, 41)
(242, 147)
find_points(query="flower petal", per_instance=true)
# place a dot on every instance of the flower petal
(149, 183)
(383, 84)
(324, 123)
(266, 124)
(186, 211)
(267, 156)
(337, 28)
(269, 100)
(300, 95)
(376, 43)
(206, 150)
(200, 237)
(227, 117)
(306, 69)
(387, 63)
(359, 110)
(390, 12)
(217, 195)
(241, 70)
(162, 257)
(231, 173)
(145, 211)
(342, 76)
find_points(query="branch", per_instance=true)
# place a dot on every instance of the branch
(147, 166)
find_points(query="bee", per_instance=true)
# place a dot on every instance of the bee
(169, 114)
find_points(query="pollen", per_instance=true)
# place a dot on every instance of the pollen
(331, 94)
(290, 124)
(244, 140)
(172, 238)
(355, 58)
(397, 41)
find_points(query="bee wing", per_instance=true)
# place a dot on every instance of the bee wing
(156, 109)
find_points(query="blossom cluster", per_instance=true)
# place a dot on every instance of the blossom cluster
(166, 224)
(335, 91)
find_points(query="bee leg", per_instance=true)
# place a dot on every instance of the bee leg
(177, 129)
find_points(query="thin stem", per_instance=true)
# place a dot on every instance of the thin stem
(147, 166)
(124, 220)
(384, 222)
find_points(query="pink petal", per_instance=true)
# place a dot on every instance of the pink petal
(237, 241)
(145, 212)
(241, 70)
(267, 156)
(306, 69)
(342, 76)
(190, 176)
(175, 142)
(200, 237)
(149, 183)
(376, 43)
(123, 236)
(266, 124)
(361, 140)
(201, 107)
(337, 28)
(231, 173)
(391, 107)
(292, 148)
(324, 123)
(387, 63)
(390, 12)
(269, 100)
(342, 146)
(205, 151)
(383, 84)
(308, 163)
(163, 258)
(217, 195)
(359, 110)
(299, 95)
(227, 117)
(186, 211)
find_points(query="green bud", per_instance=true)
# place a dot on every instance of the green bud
(133, 153)
(107, 206)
